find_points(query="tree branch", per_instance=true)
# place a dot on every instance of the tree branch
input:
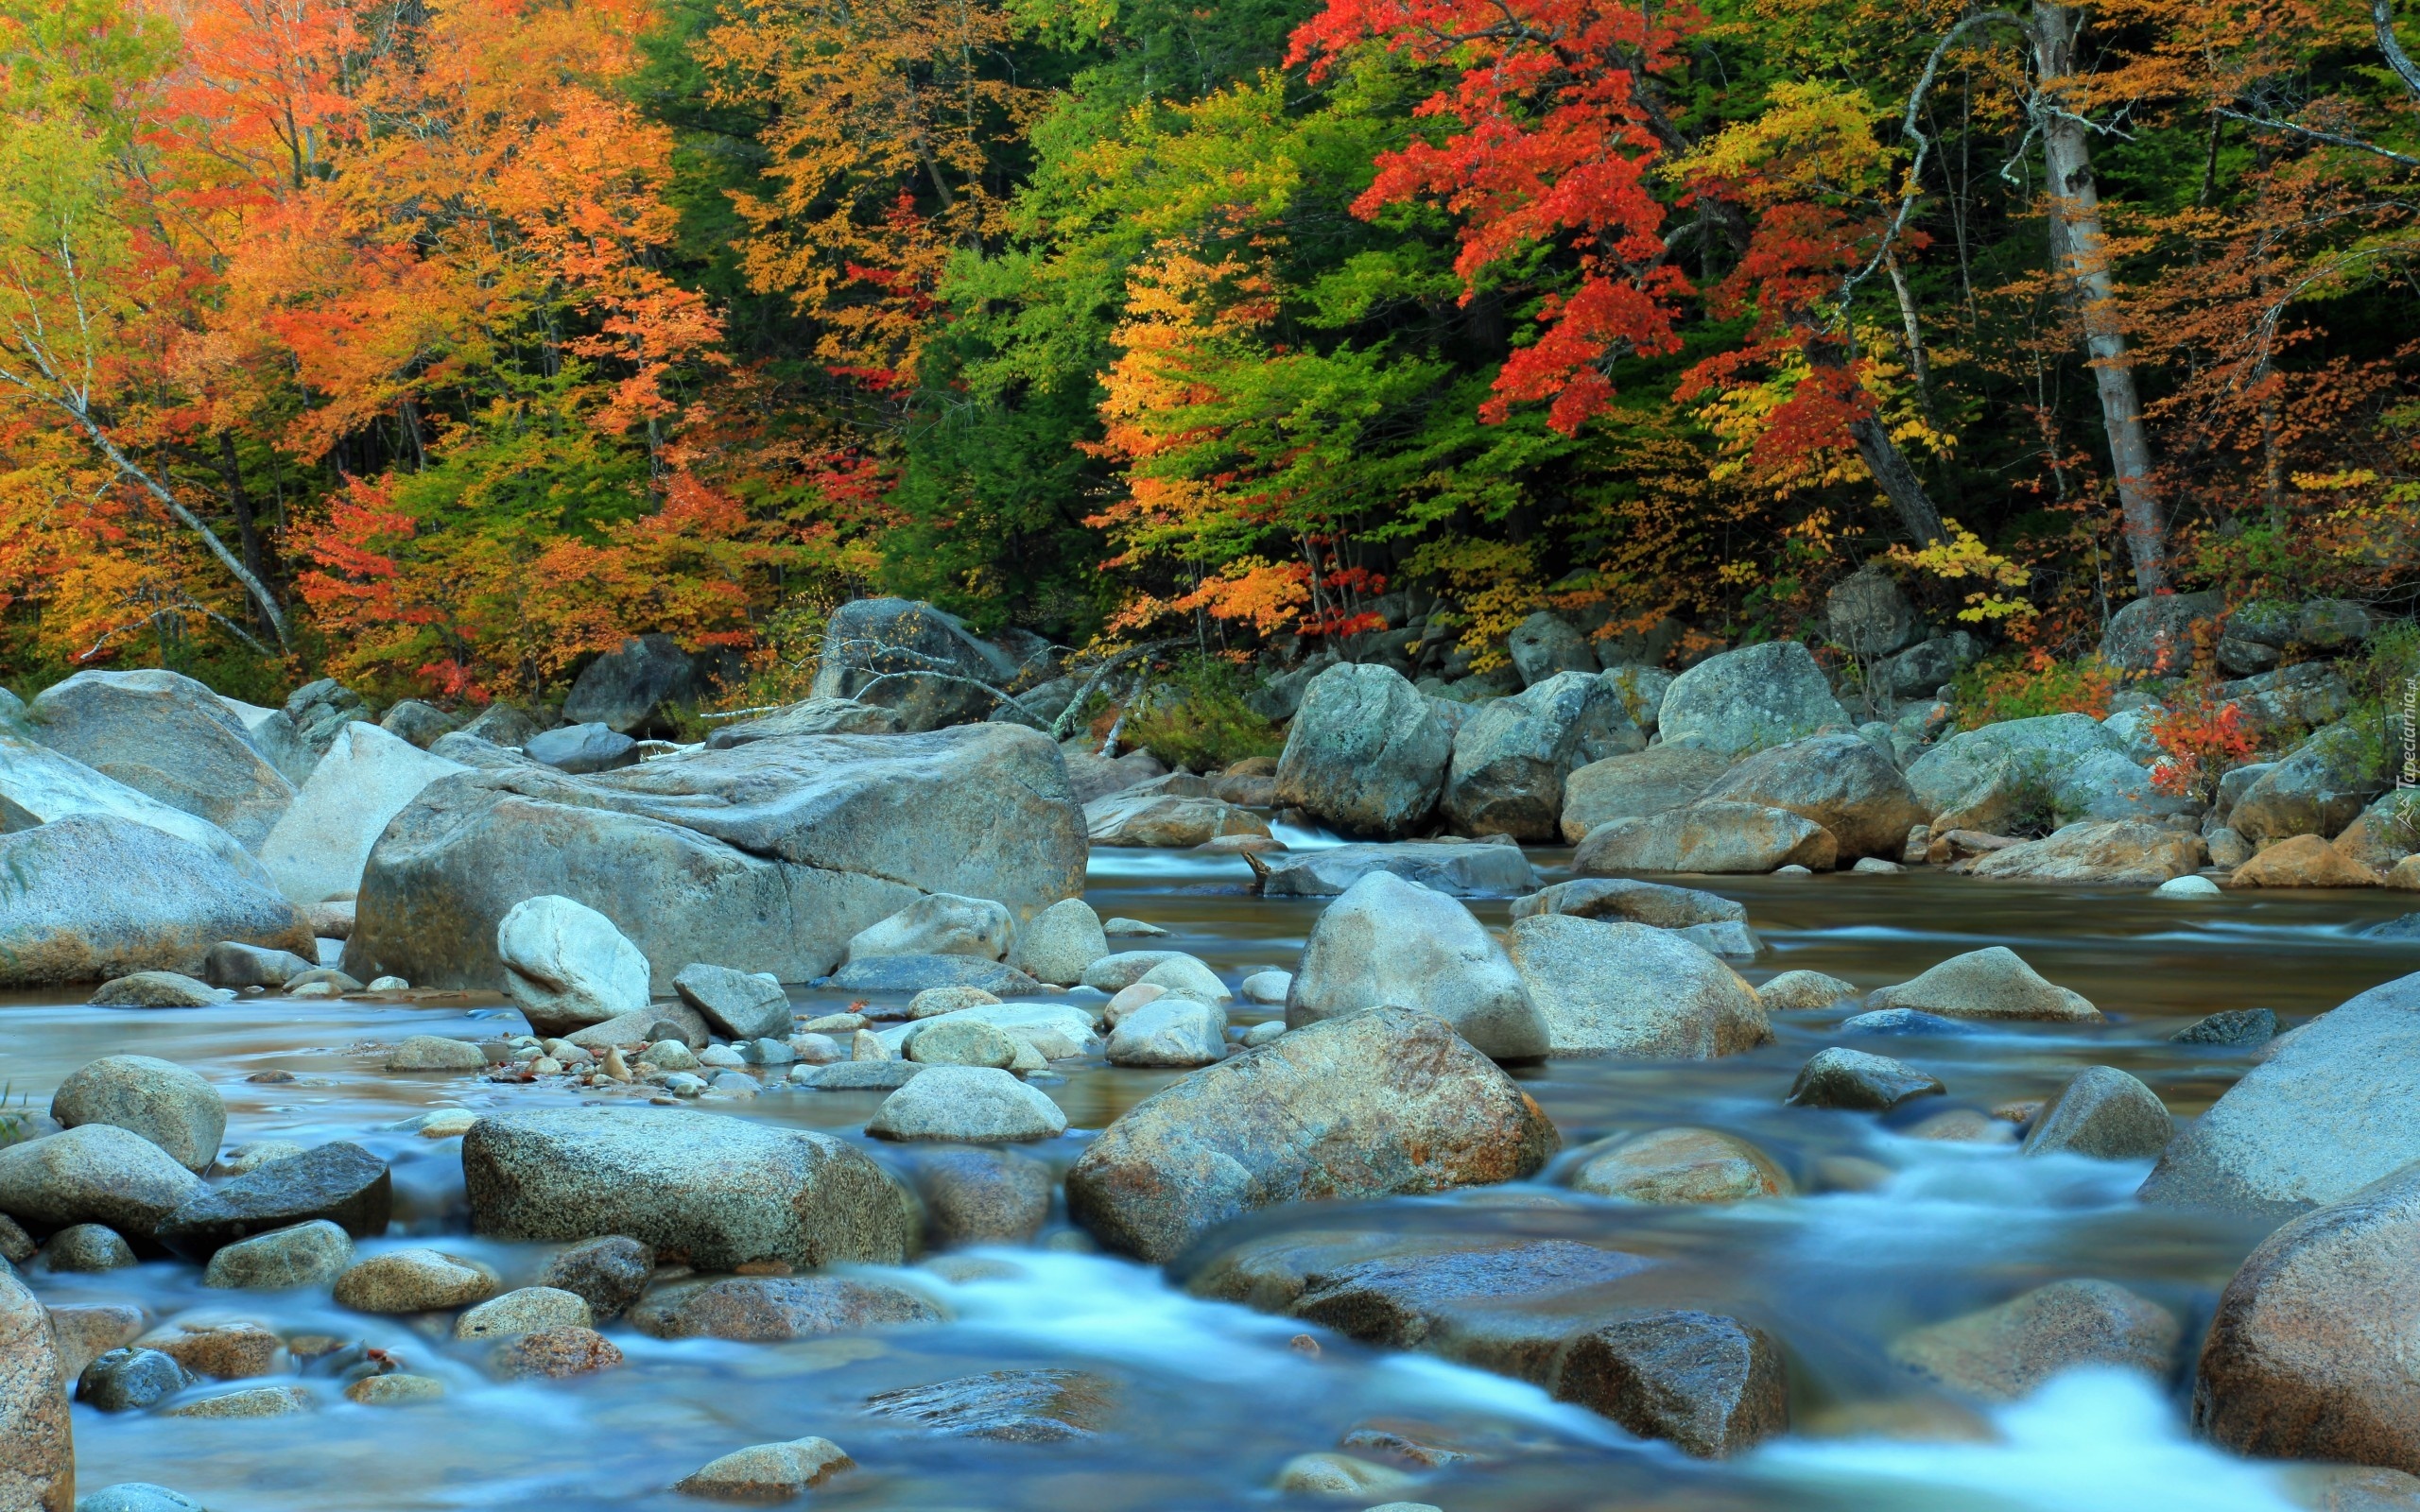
(2317, 135)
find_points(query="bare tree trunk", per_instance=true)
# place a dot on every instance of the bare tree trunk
(2082, 247)
(248, 530)
(1900, 485)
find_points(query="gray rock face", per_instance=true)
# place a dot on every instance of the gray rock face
(320, 844)
(1511, 757)
(1838, 781)
(340, 1183)
(300, 734)
(627, 689)
(907, 655)
(1058, 944)
(306, 1254)
(1169, 1031)
(2319, 790)
(1619, 989)
(165, 735)
(125, 1380)
(1707, 837)
(1391, 943)
(1545, 646)
(967, 1105)
(2309, 1353)
(1745, 700)
(38, 786)
(1386, 1101)
(916, 974)
(937, 925)
(2002, 1353)
(93, 898)
(816, 716)
(2321, 1117)
(2034, 773)
(2103, 1114)
(1366, 752)
(565, 965)
(1640, 902)
(1637, 785)
(609, 1274)
(982, 1196)
(501, 724)
(1920, 669)
(2156, 635)
(767, 857)
(714, 1192)
(96, 1174)
(1991, 983)
(416, 723)
(229, 964)
(739, 1004)
(2234, 1026)
(579, 750)
(1135, 817)
(1460, 868)
(2305, 695)
(1867, 612)
(173, 1108)
(1855, 1080)
(767, 1309)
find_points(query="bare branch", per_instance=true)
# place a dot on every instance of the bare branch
(2382, 22)
(2317, 135)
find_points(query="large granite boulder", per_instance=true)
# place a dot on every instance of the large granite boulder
(909, 657)
(632, 688)
(1511, 757)
(1545, 647)
(1745, 700)
(1388, 1102)
(566, 967)
(709, 1192)
(93, 898)
(2319, 790)
(1708, 837)
(2035, 774)
(1637, 785)
(1838, 781)
(319, 848)
(2156, 635)
(815, 716)
(2118, 852)
(173, 1108)
(1392, 943)
(1167, 819)
(2005, 1353)
(766, 857)
(1451, 866)
(165, 735)
(295, 736)
(1366, 752)
(1619, 989)
(37, 1445)
(1994, 983)
(39, 785)
(95, 1172)
(1640, 902)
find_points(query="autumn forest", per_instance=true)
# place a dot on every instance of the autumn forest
(437, 344)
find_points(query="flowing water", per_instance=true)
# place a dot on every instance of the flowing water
(1212, 1399)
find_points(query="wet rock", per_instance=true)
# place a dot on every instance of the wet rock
(2123, 852)
(710, 1191)
(435, 1052)
(168, 736)
(171, 1107)
(1839, 782)
(321, 843)
(815, 716)
(1266, 987)
(84, 1331)
(525, 1309)
(1366, 752)
(157, 989)
(1798, 991)
(767, 1472)
(252, 1401)
(863, 1076)
(1329, 1474)
(1391, 1101)
(233, 965)
(764, 1309)
(96, 1174)
(2308, 1356)
(935, 1001)
(1989, 983)
(86, 1248)
(1708, 837)
(1460, 868)
(2303, 861)
(1711, 1386)
(1904, 1020)
(906, 656)
(1137, 818)
(2320, 787)
(1511, 757)
(399, 1390)
(581, 750)
(2156, 634)
(1679, 1165)
(306, 1254)
(1116, 972)
(2186, 888)
(608, 1274)
(2235, 1026)
(915, 973)
(1636, 786)
(565, 966)
(1091, 775)
(1640, 902)
(2003, 1354)
(982, 1196)
(629, 689)
(937, 925)
(1169, 1031)
(1855, 1080)
(1187, 976)
(1057, 944)
(967, 1105)
(125, 1380)
(223, 1352)
(737, 1004)
(2105, 1114)
(414, 1280)
(1388, 943)
(40, 786)
(2323, 1115)
(677, 1022)
(963, 1041)
(16, 1247)
(1621, 988)
(137, 1496)
(1011, 1406)
(553, 1354)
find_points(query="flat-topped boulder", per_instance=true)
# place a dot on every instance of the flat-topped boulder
(1710, 838)
(39, 785)
(1612, 987)
(1641, 903)
(1636, 785)
(1839, 783)
(2116, 852)
(1392, 943)
(2059, 768)
(1463, 867)
(764, 857)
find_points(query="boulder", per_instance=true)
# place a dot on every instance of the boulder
(319, 848)
(631, 689)
(502, 725)
(2157, 635)
(156, 990)
(2116, 852)
(525, 1310)
(1164, 820)
(1669, 1166)
(230, 964)
(1058, 944)
(1545, 646)
(579, 750)
(37, 1445)
(937, 925)
(1386, 1101)
(2303, 861)
(708, 1191)
(1711, 1386)
(1092, 776)
(297, 735)
(437, 1051)
(1392, 943)
(767, 1472)
(414, 1280)
(2234, 1026)
(1839, 782)
(305, 1254)
(1619, 989)
(1924, 667)
(173, 1108)
(2004, 1352)
(39, 786)
(1744, 701)
(416, 723)
(2323, 1115)
(738, 1004)
(1640, 902)
(1866, 613)
(93, 897)
(1460, 867)
(1365, 754)
(2303, 697)
(86, 1248)
(769, 1309)
(967, 1105)
(125, 1380)
(2035, 774)
(2103, 1113)
(553, 1354)
(962, 1042)
(2382, 836)
(766, 857)
(1011, 1406)
(907, 655)
(816, 716)
(565, 966)
(98, 1173)
(1905, 1021)
(1169, 1031)
(1640, 687)
(2319, 790)
(1991, 983)
(2309, 1354)
(1707, 837)
(1799, 992)
(608, 1274)
(1511, 757)
(1862, 1083)
(165, 735)
(338, 1183)
(982, 1196)
(912, 974)
(1636, 786)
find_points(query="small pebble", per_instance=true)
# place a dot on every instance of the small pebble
(394, 1391)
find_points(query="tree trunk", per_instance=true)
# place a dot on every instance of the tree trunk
(1900, 485)
(248, 530)
(2080, 247)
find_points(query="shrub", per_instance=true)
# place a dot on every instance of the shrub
(1195, 716)
(2029, 685)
